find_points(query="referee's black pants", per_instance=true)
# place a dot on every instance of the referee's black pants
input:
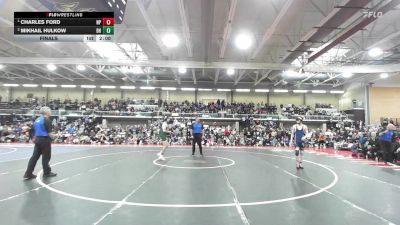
(42, 148)
(197, 139)
(387, 151)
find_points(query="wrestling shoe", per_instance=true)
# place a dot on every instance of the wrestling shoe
(29, 176)
(51, 174)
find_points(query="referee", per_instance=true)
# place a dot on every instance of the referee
(197, 134)
(42, 129)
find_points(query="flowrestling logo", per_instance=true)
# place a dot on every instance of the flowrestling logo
(372, 14)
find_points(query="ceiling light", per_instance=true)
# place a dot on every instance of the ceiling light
(291, 73)
(137, 70)
(261, 90)
(336, 92)
(170, 40)
(147, 88)
(223, 90)
(128, 87)
(281, 91)
(81, 67)
(375, 52)
(205, 89)
(318, 91)
(49, 85)
(10, 85)
(300, 91)
(30, 85)
(107, 87)
(168, 88)
(230, 71)
(384, 75)
(51, 67)
(182, 70)
(188, 89)
(1, 66)
(347, 74)
(68, 86)
(242, 90)
(109, 3)
(243, 41)
(88, 86)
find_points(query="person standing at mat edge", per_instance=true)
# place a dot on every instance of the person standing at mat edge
(164, 132)
(42, 129)
(388, 138)
(197, 135)
(299, 132)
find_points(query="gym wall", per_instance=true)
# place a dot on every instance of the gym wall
(354, 93)
(384, 102)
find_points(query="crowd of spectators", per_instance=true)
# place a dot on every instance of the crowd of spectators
(362, 141)
(126, 106)
(252, 132)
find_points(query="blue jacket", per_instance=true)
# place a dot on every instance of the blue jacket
(41, 128)
(197, 128)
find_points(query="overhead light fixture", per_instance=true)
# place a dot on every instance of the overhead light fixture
(49, 85)
(375, 52)
(384, 75)
(30, 85)
(1, 66)
(147, 88)
(182, 70)
(11, 85)
(168, 88)
(51, 67)
(261, 90)
(347, 74)
(336, 92)
(223, 90)
(230, 71)
(242, 90)
(318, 91)
(300, 91)
(137, 70)
(291, 73)
(128, 87)
(188, 89)
(107, 87)
(281, 90)
(205, 89)
(81, 67)
(88, 86)
(243, 41)
(170, 40)
(68, 86)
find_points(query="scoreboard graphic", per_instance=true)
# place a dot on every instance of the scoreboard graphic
(64, 26)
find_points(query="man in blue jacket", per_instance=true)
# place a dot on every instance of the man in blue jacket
(42, 129)
(387, 139)
(197, 135)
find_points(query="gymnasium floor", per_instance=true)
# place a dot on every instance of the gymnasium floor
(122, 185)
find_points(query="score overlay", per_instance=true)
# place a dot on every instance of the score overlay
(64, 26)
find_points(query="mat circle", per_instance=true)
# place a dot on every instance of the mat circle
(231, 163)
(233, 204)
